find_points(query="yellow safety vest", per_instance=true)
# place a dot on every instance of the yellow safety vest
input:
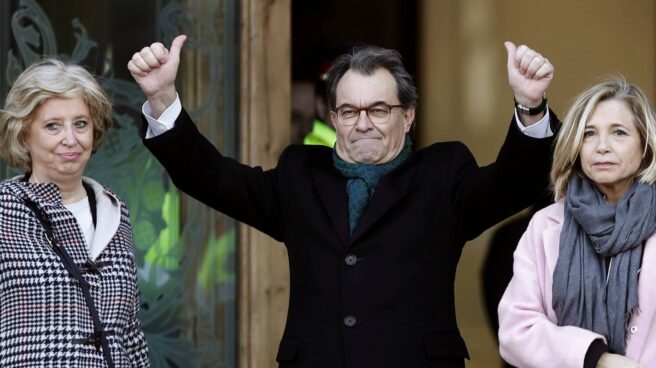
(321, 134)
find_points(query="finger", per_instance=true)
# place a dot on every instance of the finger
(519, 54)
(534, 65)
(134, 70)
(148, 56)
(140, 63)
(159, 51)
(511, 49)
(526, 60)
(545, 71)
(176, 46)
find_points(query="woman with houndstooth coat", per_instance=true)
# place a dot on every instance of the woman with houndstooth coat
(68, 283)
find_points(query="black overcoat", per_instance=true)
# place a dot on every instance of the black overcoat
(382, 296)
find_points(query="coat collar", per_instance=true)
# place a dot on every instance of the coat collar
(556, 211)
(331, 186)
(108, 210)
(48, 198)
(391, 188)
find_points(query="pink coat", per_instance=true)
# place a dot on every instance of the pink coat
(528, 333)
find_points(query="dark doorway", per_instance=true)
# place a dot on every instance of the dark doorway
(324, 29)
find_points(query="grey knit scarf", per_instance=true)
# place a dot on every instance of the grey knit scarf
(592, 231)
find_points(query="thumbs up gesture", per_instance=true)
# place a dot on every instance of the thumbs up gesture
(154, 68)
(529, 74)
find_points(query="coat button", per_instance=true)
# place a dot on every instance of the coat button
(350, 321)
(634, 329)
(351, 259)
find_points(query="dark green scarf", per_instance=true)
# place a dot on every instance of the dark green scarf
(363, 180)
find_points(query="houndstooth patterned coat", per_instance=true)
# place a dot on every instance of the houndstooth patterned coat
(44, 321)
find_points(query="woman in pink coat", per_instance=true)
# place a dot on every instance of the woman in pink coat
(583, 292)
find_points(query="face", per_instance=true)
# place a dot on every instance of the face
(611, 152)
(366, 142)
(60, 140)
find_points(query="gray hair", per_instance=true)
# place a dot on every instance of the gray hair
(366, 60)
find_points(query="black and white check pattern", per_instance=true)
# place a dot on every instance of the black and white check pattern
(44, 321)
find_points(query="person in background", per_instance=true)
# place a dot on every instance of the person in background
(374, 229)
(310, 113)
(582, 294)
(302, 110)
(321, 133)
(498, 264)
(68, 282)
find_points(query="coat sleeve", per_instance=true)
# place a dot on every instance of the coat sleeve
(488, 194)
(248, 194)
(529, 335)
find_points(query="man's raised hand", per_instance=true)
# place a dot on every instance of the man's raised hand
(154, 68)
(529, 74)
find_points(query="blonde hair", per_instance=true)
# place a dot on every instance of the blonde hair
(569, 141)
(45, 79)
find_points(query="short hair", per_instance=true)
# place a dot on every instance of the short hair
(45, 79)
(366, 60)
(566, 161)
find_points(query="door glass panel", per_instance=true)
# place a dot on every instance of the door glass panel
(186, 253)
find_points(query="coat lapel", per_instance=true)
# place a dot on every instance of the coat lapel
(391, 188)
(332, 190)
(108, 210)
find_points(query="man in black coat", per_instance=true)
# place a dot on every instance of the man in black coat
(374, 230)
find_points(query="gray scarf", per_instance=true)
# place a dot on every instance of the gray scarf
(592, 231)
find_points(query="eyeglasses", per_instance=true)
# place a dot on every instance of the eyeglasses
(377, 113)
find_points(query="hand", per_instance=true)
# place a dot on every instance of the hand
(154, 68)
(609, 360)
(529, 74)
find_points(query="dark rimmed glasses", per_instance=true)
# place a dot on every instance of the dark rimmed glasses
(378, 113)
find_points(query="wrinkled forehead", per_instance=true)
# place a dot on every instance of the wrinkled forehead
(360, 90)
